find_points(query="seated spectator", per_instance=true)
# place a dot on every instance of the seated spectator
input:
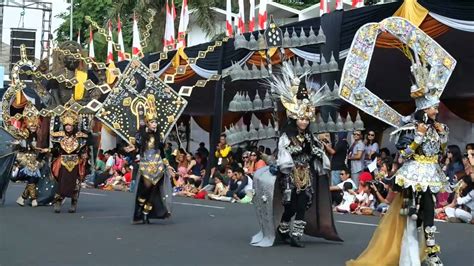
(381, 188)
(246, 161)
(365, 201)
(348, 198)
(108, 171)
(117, 182)
(256, 161)
(364, 178)
(468, 159)
(462, 208)
(188, 190)
(239, 184)
(220, 190)
(384, 153)
(337, 190)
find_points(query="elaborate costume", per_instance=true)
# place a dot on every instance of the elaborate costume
(69, 165)
(138, 93)
(7, 159)
(420, 143)
(153, 193)
(30, 158)
(300, 185)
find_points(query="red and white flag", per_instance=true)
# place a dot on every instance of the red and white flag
(357, 3)
(339, 5)
(136, 46)
(79, 37)
(262, 15)
(110, 52)
(323, 7)
(252, 16)
(169, 27)
(91, 44)
(183, 24)
(241, 17)
(121, 53)
(228, 19)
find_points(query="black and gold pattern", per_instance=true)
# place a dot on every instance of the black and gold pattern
(126, 105)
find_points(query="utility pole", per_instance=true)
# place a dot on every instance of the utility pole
(70, 21)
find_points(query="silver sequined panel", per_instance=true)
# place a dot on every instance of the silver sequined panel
(420, 176)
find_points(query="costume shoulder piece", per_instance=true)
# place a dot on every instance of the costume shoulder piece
(81, 135)
(431, 67)
(58, 134)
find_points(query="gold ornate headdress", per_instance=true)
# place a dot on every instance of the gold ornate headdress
(150, 112)
(30, 115)
(299, 100)
(69, 117)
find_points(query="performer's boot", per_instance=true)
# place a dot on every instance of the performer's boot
(432, 249)
(297, 233)
(32, 191)
(139, 210)
(283, 231)
(73, 207)
(20, 201)
(146, 210)
(58, 201)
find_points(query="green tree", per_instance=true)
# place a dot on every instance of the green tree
(102, 11)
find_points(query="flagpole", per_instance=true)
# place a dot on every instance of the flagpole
(70, 20)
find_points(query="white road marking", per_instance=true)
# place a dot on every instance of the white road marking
(348, 222)
(199, 205)
(94, 194)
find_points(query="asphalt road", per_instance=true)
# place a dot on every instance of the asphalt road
(199, 233)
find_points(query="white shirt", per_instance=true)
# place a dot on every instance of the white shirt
(110, 162)
(341, 185)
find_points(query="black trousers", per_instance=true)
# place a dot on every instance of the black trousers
(427, 209)
(297, 205)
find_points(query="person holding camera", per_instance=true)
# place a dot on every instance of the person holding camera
(462, 208)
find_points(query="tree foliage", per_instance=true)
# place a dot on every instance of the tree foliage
(102, 11)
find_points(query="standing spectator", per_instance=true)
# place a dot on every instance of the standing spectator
(356, 156)
(202, 150)
(338, 160)
(222, 151)
(371, 147)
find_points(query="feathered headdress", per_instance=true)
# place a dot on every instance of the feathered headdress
(296, 95)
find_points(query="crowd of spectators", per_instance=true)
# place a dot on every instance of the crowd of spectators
(362, 174)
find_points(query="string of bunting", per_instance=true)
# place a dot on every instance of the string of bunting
(116, 46)
(181, 69)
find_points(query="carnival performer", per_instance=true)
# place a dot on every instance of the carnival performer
(299, 183)
(30, 158)
(405, 236)
(69, 165)
(153, 193)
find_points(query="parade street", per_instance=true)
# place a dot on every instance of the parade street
(199, 233)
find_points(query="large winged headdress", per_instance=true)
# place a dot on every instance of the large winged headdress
(297, 94)
(431, 68)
